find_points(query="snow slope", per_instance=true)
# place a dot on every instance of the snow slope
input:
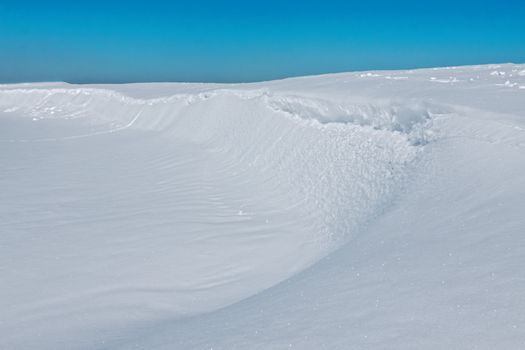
(377, 210)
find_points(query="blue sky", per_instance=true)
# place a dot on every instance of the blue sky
(235, 41)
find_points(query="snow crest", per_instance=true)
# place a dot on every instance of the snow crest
(278, 181)
(340, 160)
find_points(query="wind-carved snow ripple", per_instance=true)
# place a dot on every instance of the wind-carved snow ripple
(291, 178)
(412, 118)
(181, 205)
(341, 161)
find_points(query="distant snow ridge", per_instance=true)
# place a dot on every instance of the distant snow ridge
(400, 116)
(92, 108)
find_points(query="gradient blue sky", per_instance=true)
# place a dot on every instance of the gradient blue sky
(231, 41)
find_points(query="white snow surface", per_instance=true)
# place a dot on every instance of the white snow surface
(368, 210)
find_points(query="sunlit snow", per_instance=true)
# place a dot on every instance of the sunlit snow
(369, 210)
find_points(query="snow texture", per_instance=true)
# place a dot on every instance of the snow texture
(377, 210)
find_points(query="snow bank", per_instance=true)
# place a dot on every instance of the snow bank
(158, 220)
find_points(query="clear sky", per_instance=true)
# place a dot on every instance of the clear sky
(234, 41)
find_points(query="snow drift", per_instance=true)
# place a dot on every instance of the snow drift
(137, 216)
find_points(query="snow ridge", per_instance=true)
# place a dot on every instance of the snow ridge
(361, 150)
(286, 175)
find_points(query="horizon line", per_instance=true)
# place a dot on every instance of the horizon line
(126, 82)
